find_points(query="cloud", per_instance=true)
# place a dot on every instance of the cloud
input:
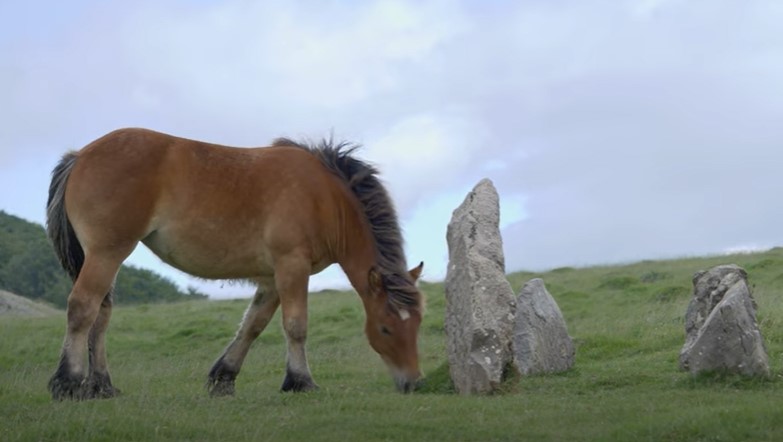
(438, 146)
(664, 151)
(613, 130)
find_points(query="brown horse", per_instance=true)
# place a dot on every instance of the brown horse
(272, 215)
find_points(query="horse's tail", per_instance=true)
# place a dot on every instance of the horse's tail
(58, 226)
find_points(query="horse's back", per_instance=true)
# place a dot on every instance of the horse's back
(210, 210)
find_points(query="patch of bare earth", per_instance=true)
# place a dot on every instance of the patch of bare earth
(15, 305)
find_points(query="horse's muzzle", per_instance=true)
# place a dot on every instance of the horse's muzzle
(406, 385)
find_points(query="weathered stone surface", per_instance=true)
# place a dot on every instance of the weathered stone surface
(720, 325)
(541, 343)
(479, 299)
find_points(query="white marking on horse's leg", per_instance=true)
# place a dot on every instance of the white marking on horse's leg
(75, 344)
(296, 333)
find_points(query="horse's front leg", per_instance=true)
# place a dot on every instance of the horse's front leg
(291, 277)
(258, 314)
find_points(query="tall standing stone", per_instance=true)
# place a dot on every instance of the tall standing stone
(541, 343)
(720, 325)
(479, 299)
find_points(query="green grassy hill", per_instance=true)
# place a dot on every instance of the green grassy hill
(627, 322)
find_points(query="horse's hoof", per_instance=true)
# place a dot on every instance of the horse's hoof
(298, 383)
(221, 388)
(98, 386)
(65, 387)
(220, 381)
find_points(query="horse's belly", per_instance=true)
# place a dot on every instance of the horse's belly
(209, 257)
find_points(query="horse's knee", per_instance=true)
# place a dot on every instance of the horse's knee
(295, 329)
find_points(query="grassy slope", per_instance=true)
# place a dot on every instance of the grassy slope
(627, 322)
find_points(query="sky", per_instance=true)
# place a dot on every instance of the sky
(613, 130)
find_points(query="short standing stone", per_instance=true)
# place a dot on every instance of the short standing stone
(479, 299)
(541, 343)
(720, 325)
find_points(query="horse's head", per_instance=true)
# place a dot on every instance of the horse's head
(394, 312)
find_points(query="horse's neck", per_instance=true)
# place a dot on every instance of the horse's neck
(357, 254)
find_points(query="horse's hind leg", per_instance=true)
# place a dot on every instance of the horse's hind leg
(258, 314)
(84, 311)
(98, 383)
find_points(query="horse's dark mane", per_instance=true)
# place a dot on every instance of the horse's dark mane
(379, 210)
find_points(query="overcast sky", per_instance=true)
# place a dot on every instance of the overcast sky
(614, 130)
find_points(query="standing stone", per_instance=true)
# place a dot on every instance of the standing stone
(541, 343)
(720, 325)
(479, 299)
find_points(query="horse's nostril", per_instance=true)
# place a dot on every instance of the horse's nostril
(405, 385)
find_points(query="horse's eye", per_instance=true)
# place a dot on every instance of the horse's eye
(385, 330)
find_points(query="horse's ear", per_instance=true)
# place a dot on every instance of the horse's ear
(376, 282)
(416, 271)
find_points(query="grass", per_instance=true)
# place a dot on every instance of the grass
(627, 323)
